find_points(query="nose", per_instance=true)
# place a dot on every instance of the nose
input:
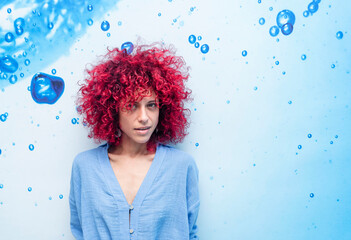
(142, 115)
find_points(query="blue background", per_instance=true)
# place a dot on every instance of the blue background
(249, 116)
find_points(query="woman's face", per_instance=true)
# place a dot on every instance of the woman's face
(138, 123)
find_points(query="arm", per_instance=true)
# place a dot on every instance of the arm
(74, 201)
(193, 200)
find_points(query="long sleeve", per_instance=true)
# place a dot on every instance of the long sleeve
(74, 199)
(193, 200)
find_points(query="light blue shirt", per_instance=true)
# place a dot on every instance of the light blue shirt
(165, 207)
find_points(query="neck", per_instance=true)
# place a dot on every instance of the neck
(130, 148)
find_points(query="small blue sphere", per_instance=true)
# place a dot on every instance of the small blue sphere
(274, 31)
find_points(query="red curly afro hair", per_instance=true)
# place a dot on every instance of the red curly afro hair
(121, 78)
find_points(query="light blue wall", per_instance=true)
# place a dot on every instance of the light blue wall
(249, 114)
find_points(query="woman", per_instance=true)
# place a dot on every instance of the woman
(135, 186)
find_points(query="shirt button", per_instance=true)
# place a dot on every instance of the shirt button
(131, 231)
(131, 207)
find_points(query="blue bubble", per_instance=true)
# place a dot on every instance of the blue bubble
(317, 1)
(306, 13)
(283, 72)
(309, 135)
(27, 62)
(192, 39)
(19, 30)
(74, 121)
(204, 48)
(197, 144)
(50, 25)
(9, 10)
(22, 75)
(339, 35)
(4, 76)
(31, 147)
(331, 142)
(336, 136)
(299, 147)
(90, 7)
(108, 34)
(244, 53)
(1, 185)
(284, 17)
(90, 21)
(303, 57)
(19, 22)
(60, 196)
(274, 31)
(191, 9)
(255, 88)
(46, 88)
(50, 198)
(3, 117)
(270, 8)
(197, 45)
(311, 195)
(29, 189)
(199, 38)
(13, 79)
(333, 65)
(0, 151)
(259, 1)
(287, 29)
(57, 117)
(105, 25)
(8, 64)
(312, 7)
(53, 71)
(276, 62)
(128, 46)
(24, 54)
(9, 37)
(261, 21)
(119, 23)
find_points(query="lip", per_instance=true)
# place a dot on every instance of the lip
(142, 130)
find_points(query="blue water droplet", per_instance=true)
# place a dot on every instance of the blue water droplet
(284, 17)
(31, 147)
(331, 142)
(1, 185)
(199, 38)
(60, 196)
(19, 22)
(105, 25)
(192, 39)
(283, 72)
(287, 29)
(333, 65)
(13, 79)
(50, 25)
(197, 44)
(255, 88)
(159, 14)
(24, 54)
(128, 46)
(336, 136)
(204, 48)
(9, 10)
(90, 21)
(312, 7)
(0, 151)
(8, 64)
(50, 198)
(26, 62)
(57, 117)
(306, 13)
(244, 53)
(276, 62)
(119, 23)
(9, 37)
(259, 1)
(108, 34)
(261, 21)
(317, 1)
(21, 75)
(309, 135)
(273, 31)
(311, 195)
(197, 144)
(299, 147)
(90, 8)
(53, 71)
(270, 8)
(29, 189)
(339, 35)
(74, 121)
(3, 117)
(228, 101)
(303, 57)
(46, 88)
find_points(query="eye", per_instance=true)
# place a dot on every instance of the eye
(152, 105)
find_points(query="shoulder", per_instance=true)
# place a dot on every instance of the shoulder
(86, 158)
(178, 157)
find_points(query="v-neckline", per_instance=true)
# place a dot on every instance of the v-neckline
(114, 185)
